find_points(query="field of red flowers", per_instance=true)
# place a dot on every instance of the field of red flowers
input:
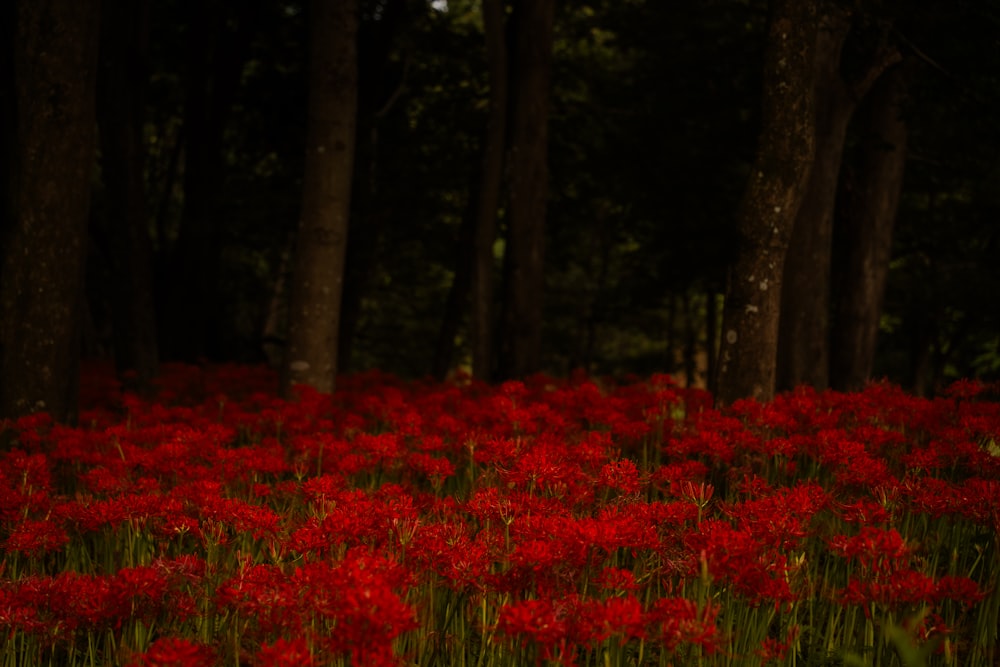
(569, 522)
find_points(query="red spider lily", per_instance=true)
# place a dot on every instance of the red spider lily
(616, 579)
(546, 467)
(558, 626)
(668, 475)
(896, 590)
(285, 653)
(776, 649)
(714, 446)
(876, 549)
(61, 605)
(966, 389)
(175, 652)
(34, 538)
(781, 518)
(908, 588)
(621, 475)
(865, 511)
(242, 517)
(961, 589)
(355, 599)
(865, 472)
(756, 571)
(463, 563)
(677, 621)
(435, 468)
(540, 621)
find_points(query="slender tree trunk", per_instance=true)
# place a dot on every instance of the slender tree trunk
(804, 332)
(490, 187)
(220, 34)
(690, 305)
(314, 311)
(362, 238)
(778, 179)
(368, 213)
(529, 180)
(121, 101)
(712, 337)
(48, 169)
(866, 227)
(458, 298)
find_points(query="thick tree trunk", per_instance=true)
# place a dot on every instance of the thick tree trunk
(488, 200)
(318, 273)
(866, 226)
(121, 101)
(770, 203)
(49, 168)
(531, 60)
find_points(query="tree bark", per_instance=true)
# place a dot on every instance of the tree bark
(778, 179)
(805, 293)
(524, 284)
(49, 165)
(804, 330)
(318, 272)
(120, 104)
(866, 227)
(490, 188)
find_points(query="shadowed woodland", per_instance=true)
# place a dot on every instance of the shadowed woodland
(750, 195)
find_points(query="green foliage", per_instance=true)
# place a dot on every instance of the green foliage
(905, 642)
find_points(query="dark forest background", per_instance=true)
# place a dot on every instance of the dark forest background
(653, 126)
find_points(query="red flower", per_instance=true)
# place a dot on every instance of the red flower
(676, 621)
(621, 475)
(175, 652)
(616, 579)
(875, 548)
(34, 538)
(285, 653)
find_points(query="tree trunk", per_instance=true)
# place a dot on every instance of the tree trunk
(318, 272)
(490, 187)
(866, 227)
(778, 179)
(712, 337)
(524, 260)
(217, 48)
(805, 293)
(48, 171)
(804, 330)
(120, 104)
(368, 209)
(458, 297)
(474, 270)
